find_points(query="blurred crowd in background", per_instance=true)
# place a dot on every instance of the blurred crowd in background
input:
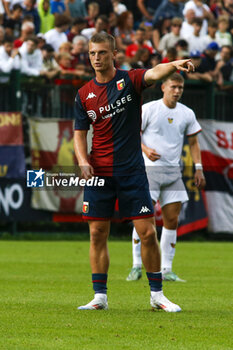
(49, 38)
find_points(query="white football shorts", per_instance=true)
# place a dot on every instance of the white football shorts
(166, 185)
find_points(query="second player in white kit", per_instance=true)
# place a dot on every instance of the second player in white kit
(165, 122)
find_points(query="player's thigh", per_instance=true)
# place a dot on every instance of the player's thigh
(173, 193)
(134, 197)
(99, 202)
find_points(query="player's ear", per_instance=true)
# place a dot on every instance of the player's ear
(114, 53)
(162, 87)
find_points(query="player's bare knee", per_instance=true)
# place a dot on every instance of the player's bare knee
(148, 237)
(98, 235)
(171, 223)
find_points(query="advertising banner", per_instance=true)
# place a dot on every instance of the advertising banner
(216, 141)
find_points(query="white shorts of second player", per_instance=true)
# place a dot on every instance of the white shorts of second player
(166, 185)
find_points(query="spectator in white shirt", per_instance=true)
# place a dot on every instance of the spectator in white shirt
(9, 58)
(201, 10)
(170, 39)
(195, 40)
(56, 36)
(212, 29)
(31, 57)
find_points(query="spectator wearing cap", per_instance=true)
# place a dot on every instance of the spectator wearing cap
(30, 9)
(93, 10)
(139, 43)
(27, 30)
(9, 57)
(56, 36)
(101, 25)
(124, 32)
(195, 40)
(197, 74)
(50, 68)
(223, 37)
(13, 24)
(46, 17)
(208, 62)
(31, 63)
(170, 39)
(147, 26)
(148, 8)
(77, 26)
(201, 10)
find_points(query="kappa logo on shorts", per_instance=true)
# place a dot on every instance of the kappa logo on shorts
(85, 207)
(144, 210)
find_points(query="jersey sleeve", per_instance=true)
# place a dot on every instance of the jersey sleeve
(82, 121)
(137, 78)
(193, 125)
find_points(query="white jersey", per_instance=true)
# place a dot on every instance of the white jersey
(163, 129)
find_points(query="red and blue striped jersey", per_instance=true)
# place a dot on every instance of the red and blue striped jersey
(114, 110)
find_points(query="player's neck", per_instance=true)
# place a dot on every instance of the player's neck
(105, 76)
(169, 104)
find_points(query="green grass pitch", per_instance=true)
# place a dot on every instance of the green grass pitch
(42, 283)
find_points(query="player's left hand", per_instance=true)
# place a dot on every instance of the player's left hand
(199, 179)
(184, 65)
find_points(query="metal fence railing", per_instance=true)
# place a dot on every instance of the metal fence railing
(36, 97)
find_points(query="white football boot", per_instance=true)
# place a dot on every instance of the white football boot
(100, 302)
(159, 301)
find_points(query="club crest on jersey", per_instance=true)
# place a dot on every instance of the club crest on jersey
(85, 207)
(170, 120)
(120, 84)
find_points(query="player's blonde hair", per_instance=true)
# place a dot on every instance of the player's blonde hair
(104, 38)
(174, 77)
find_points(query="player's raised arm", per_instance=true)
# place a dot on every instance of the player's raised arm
(80, 147)
(164, 69)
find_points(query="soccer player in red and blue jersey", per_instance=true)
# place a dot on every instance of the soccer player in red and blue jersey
(111, 102)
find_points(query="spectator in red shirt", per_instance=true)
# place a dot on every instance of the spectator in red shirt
(139, 43)
(77, 26)
(93, 10)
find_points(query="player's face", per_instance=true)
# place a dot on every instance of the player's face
(101, 56)
(172, 91)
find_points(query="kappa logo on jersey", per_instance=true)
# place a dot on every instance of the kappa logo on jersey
(91, 95)
(170, 120)
(85, 207)
(92, 115)
(120, 84)
(144, 210)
